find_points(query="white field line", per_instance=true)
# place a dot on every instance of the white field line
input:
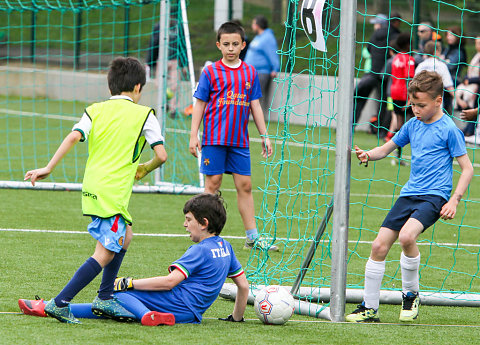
(174, 130)
(367, 323)
(226, 237)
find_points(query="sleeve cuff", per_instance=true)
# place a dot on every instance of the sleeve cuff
(156, 143)
(81, 132)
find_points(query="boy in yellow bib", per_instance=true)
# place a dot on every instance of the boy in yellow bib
(117, 130)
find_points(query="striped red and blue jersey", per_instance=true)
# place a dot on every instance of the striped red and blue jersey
(228, 93)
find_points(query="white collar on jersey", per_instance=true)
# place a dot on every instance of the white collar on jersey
(121, 97)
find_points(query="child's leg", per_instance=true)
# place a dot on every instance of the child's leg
(375, 267)
(84, 275)
(146, 316)
(243, 184)
(110, 271)
(132, 304)
(83, 311)
(410, 257)
(213, 183)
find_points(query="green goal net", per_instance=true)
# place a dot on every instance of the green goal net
(299, 177)
(54, 56)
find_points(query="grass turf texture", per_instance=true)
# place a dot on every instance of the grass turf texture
(41, 263)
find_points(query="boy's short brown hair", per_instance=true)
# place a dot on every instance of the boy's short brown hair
(230, 28)
(208, 206)
(124, 74)
(429, 82)
(432, 47)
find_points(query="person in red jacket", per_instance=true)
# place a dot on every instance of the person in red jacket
(403, 69)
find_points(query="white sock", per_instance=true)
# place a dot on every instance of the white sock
(410, 280)
(374, 271)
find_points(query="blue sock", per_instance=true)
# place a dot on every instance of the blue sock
(252, 234)
(84, 275)
(132, 304)
(83, 311)
(109, 274)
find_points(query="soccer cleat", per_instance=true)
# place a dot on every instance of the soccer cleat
(410, 303)
(261, 244)
(363, 314)
(34, 307)
(155, 318)
(111, 308)
(62, 314)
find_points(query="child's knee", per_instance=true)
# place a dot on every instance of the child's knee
(379, 250)
(244, 186)
(406, 239)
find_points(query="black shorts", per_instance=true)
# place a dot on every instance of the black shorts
(400, 108)
(424, 208)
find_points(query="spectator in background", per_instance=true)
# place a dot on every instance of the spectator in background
(432, 62)
(425, 34)
(262, 54)
(403, 69)
(455, 55)
(466, 94)
(379, 21)
(375, 78)
(471, 115)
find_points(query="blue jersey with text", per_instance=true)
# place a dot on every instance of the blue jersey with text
(205, 266)
(433, 147)
(228, 93)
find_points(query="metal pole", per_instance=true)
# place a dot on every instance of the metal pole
(162, 70)
(33, 32)
(342, 158)
(416, 20)
(78, 39)
(312, 250)
(230, 10)
(191, 71)
(126, 30)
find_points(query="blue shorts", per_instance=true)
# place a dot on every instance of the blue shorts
(424, 208)
(110, 232)
(217, 160)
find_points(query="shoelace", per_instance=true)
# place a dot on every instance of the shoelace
(408, 302)
(360, 308)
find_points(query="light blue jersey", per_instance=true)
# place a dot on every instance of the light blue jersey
(433, 147)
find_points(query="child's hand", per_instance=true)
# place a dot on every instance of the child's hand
(194, 146)
(37, 174)
(141, 172)
(449, 210)
(469, 114)
(362, 155)
(266, 148)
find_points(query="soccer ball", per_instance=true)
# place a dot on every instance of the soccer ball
(274, 305)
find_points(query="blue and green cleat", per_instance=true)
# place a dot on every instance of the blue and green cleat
(62, 314)
(112, 309)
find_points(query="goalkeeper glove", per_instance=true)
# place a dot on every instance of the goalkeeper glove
(230, 318)
(123, 284)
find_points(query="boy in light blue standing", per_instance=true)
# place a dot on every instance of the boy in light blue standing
(435, 140)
